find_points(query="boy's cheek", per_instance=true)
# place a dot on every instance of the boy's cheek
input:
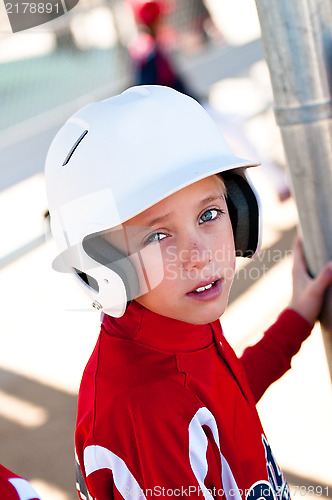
(229, 273)
(149, 266)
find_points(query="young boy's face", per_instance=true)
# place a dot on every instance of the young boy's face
(193, 232)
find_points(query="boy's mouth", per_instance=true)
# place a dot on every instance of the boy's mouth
(206, 290)
(205, 287)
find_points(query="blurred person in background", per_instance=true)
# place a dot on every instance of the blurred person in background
(152, 64)
(200, 28)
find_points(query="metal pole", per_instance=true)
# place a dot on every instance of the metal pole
(297, 40)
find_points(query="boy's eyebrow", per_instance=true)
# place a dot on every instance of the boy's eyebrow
(157, 220)
(213, 197)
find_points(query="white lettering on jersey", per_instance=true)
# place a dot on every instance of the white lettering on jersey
(198, 443)
(24, 489)
(97, 457)
(261, 490)
(275, 475)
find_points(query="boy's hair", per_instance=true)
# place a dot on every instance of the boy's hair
(114, 159)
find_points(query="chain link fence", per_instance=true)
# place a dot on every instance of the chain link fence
(51, 70)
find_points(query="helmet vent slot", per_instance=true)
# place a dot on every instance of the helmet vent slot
(87, 280)
(73, 148)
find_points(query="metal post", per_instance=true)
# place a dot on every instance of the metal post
(297, 40)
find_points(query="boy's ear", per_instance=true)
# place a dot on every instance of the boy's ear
(244, 214)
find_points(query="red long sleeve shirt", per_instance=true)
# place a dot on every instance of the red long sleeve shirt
(167, 409)
(14, 487)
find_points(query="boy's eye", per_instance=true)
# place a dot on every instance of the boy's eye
(211, 214)
(155, 237)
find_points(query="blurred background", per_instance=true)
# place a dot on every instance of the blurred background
(47, 328)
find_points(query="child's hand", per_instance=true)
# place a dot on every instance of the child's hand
(308, 293)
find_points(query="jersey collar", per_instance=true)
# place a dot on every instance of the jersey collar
(158, 332)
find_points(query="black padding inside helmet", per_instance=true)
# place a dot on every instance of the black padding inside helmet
(87, 279)
(107, 255)
(244, 213)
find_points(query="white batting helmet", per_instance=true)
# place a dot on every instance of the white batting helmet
(114, 159)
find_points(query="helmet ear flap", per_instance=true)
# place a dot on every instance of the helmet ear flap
(107, 255)
(243, 210)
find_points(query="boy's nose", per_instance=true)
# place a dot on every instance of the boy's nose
(194, 254)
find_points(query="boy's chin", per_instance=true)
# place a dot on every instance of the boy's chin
(204, 319)
(200, 317)
(202, 314)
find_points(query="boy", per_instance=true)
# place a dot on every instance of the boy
(150, 207)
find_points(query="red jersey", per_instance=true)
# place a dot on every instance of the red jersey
(14, 487)
(167, 409)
